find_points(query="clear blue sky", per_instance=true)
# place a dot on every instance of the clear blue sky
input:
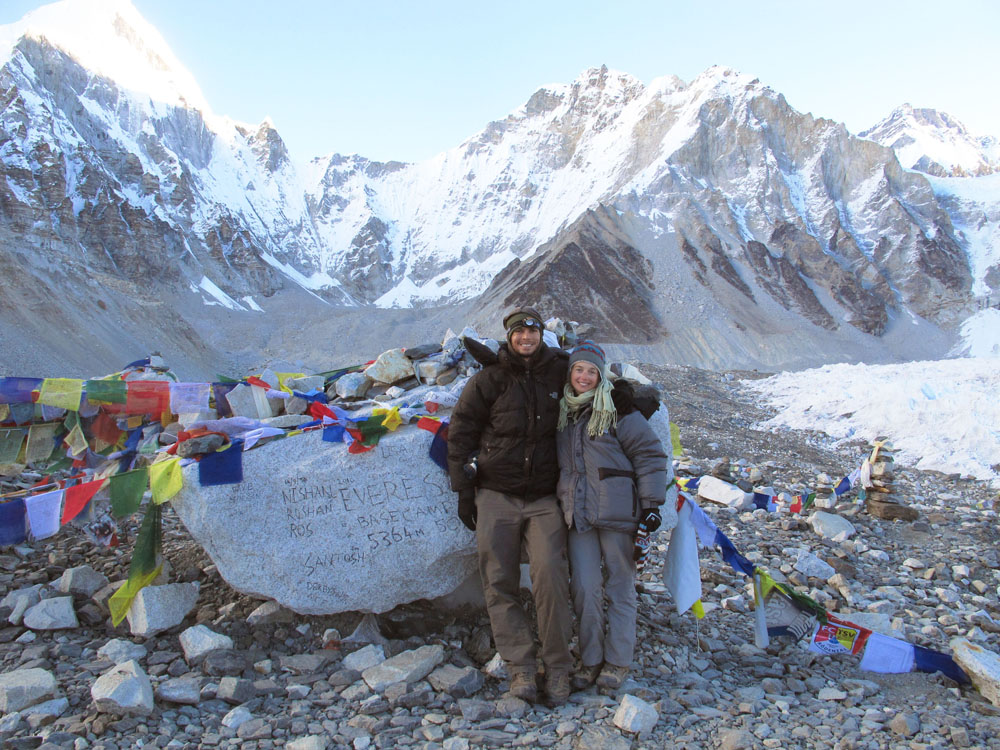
(405, 80)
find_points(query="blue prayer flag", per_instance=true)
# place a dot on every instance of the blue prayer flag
(222, 467)
(18, 390)
(927, 660)
(12, 529)
(333, 433)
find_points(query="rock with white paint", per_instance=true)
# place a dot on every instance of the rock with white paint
(342, 531)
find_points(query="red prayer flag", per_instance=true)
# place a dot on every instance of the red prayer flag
(105, 428)
(147, 397)
(431, 425)
(254, 380)
(316, 410)
(77, 497)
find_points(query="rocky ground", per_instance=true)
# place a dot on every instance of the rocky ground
(292, 681)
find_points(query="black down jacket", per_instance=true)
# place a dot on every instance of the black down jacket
(508, 413)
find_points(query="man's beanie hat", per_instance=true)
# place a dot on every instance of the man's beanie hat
(522, 317)
(588, 351)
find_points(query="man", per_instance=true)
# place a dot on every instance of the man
(502, 463)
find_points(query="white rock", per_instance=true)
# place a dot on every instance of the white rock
(343, 532)
(198, 641)
(982, 666)
(390, 367)
(25, 687)
(269, 612)
(364, 658)
(159, 608)
(20, 600)
(913, 563)
(635, 715)
(408, 667)
(831, 694)
(808, 564)
(184, 690)
(249, 401)
(496, 668)
(52, 614)
(120, 651)
(82, 579)
(715, 490)
(237, 716)
(124, 690)
(830, 526)
(55, 707)
(352, 385)
(312, 742)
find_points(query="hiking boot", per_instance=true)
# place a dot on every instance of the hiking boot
(523, 684)
(585, 676)
(557, 687)
(611, 677)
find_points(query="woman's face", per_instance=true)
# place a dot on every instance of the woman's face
(584, 377)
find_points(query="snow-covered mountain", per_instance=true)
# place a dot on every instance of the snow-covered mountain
(707, 220)
(936, 143)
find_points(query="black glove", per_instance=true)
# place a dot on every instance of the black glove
(650, 520)
(467, 510)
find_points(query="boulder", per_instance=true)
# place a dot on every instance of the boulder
(269, 613)
(982, 666)
(52, 614)
(184, 690)
(635, 715)
(408, 667)
(25, 687)
(716, 491)
(198, 641)
(831, 526)
(20, 601)
(83, 580)
(458, 682)
(120, 651)
(322, 531)
(249, 401)
(352, 385)
(364, 658)
(123, 690)
(808, 564)
(390, 367)
(159, 608)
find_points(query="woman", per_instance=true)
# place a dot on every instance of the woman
(612, 476)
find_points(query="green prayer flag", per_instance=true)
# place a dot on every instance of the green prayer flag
(225, 379)
(372, 429)
(10, 444)
(145, 564)
(127, 490)
(108, 391)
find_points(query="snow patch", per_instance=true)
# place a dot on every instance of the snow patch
(941, 415)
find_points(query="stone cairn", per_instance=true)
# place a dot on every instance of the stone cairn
(881, 500)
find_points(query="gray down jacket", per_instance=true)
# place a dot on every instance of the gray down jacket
(608, 481)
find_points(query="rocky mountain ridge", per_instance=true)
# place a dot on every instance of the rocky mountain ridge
(742, 217)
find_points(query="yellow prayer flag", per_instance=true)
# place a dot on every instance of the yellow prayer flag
(165, 479)
(121, 601)
(392, 419)
(134, 422)
(4, 412)
(40, 442)
(283, 376)
(675, 439)
(64, 393)
(699, 611)
(76, 441)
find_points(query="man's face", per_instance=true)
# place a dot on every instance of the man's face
(525, 340)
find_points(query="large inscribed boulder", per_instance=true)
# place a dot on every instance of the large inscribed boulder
(321, 530)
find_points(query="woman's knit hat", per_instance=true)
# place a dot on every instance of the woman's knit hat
(588, 351)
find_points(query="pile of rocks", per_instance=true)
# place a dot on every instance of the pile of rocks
(238, 672)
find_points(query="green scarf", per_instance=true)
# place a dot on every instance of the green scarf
(602, 418)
